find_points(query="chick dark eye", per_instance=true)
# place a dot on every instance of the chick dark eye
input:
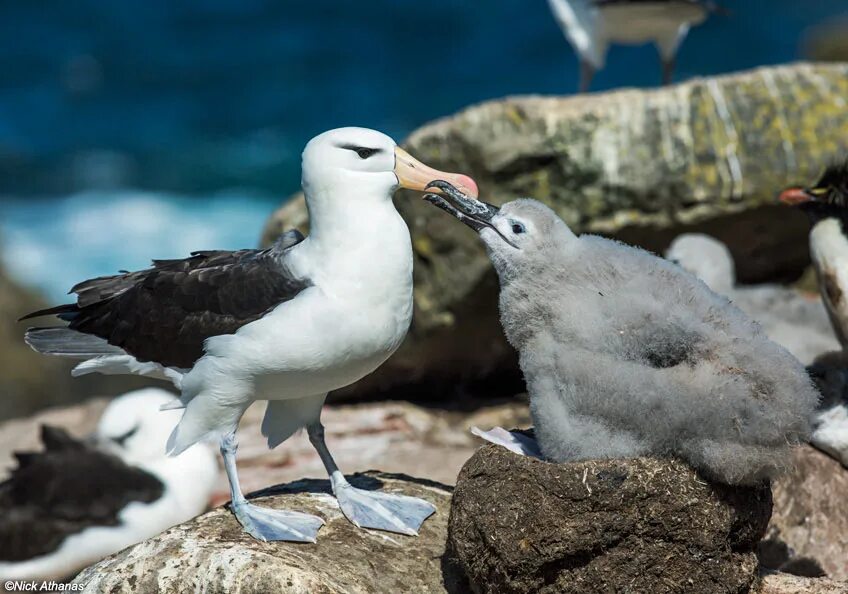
(518, 228)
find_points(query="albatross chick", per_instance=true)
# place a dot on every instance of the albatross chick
(626, 354)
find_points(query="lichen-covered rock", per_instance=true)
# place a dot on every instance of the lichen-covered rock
(212, 554)
(811, 514)
(643, 525)
(709, 155)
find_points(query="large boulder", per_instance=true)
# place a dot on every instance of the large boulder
(827, 42)
(212, 554)
(519, 524)
(28, 381)
(811, 515)
(643, 166)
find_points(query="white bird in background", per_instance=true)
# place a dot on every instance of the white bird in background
(798, 323)
(80, 501)
(286, 324)
(592, 25)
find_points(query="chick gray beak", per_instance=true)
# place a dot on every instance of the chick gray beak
(474, 213)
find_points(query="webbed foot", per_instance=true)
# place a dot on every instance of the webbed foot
(382, 511)
(276, 524)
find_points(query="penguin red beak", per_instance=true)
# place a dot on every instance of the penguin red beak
(796, 196)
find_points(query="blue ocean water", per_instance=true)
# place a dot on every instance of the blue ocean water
(112, 111)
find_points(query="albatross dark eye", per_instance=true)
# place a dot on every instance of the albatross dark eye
(518, 228)
(364, 153)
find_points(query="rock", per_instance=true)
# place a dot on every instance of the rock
(827, 42)
(643, 525)
(212, 554)
(810, 514)
(783, 583)
(28, 381)
(709, 155)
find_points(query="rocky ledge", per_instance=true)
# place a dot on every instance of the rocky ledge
(211, 554)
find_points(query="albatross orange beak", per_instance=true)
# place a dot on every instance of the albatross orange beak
(415, 175)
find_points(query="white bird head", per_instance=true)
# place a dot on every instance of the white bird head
(706, 258)
(134, 428)
(520, 236)
(362, 164)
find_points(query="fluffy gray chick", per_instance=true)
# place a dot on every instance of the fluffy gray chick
(625, 354)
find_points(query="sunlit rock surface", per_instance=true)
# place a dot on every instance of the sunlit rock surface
(213, 554)
(810, 513)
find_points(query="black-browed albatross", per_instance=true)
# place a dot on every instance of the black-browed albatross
(286, 324)
(78, 501)
(592, 25)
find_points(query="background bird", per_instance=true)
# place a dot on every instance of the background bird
(826, 206)
(286, 324)
(830, 423)
(787, 316)
(625, 354)
(79, 501)
(592, 25)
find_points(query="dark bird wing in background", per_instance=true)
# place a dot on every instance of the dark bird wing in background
(63, 490)
(165, 313)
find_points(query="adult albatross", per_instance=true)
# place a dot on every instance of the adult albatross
(286, 324)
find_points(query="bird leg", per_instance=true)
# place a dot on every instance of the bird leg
(370, 509)
(263, 523)
(587, 73)
(668, 65)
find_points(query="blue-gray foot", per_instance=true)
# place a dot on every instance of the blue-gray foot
(276, 524)
(381, 511)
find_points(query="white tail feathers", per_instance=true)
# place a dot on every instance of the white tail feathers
(127, 364)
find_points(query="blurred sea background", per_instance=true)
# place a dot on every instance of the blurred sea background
(139, 129)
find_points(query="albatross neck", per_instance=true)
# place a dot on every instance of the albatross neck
(357, 240)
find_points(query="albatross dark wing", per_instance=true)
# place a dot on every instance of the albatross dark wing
(63, 490)
(165, 313)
